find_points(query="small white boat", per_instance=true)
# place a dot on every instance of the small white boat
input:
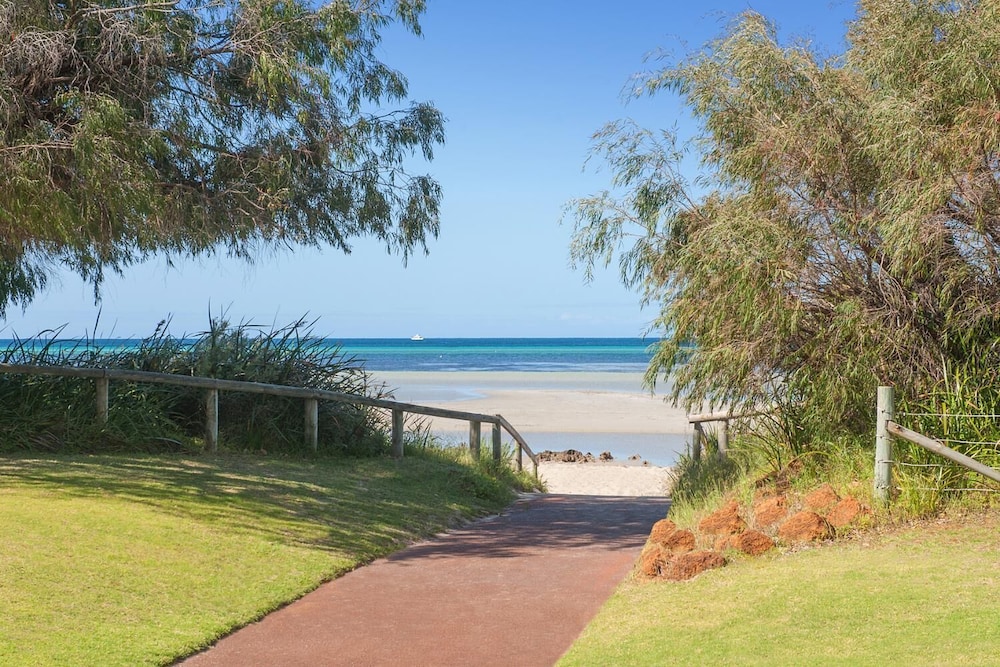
(417, 337)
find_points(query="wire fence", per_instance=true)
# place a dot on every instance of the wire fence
(948, 470)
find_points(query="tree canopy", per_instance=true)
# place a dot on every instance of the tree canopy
(131, 127)
(843, 229)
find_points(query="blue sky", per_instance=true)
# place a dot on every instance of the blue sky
(524, 84)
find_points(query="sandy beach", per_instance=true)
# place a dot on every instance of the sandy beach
(545, 402)
(587, 411)
(605, 479)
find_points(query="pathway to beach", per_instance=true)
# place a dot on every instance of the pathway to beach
(514, 589)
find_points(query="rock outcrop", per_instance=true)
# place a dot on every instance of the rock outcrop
(689, 565)
(805, 526)
(752, 542)
(725, 521)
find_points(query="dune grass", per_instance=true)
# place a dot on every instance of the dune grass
(126, 560)
(920, 596)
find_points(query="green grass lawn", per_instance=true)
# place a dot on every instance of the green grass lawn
(920, 596)
(140, 560)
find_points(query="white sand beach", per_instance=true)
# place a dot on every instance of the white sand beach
(544, 402)
(591, 412)
(605, 479)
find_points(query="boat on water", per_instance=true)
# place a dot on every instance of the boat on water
(416, 337)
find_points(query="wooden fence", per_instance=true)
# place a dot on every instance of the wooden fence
(722, 432)
(885, 426)
(311, 397)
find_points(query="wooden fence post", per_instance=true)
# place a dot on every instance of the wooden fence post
(519, 453)
(397, 433)
(475, 435)
(103, 390)
(696, 442)
(497, 446)
(312, 423)
(884, 413)
(212, 420)
(723, 436)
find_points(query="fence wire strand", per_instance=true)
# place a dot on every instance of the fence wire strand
(942, 414)
(901, 464)
(940, 489)
(945, 466)
(968, 442)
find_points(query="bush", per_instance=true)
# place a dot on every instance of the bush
(57, 414)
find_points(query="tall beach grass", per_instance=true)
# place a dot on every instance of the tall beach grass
(52, 414)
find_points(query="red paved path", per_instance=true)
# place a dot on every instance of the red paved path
(510, 590)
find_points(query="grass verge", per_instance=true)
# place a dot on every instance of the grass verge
(895, 598)
(125, 560)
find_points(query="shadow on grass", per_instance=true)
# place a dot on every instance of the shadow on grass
(363, 508)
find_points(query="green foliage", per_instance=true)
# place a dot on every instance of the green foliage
(198, 126)
(701, 482)
(844, 229)
(39, 413)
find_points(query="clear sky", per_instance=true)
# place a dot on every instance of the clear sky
(523, 84)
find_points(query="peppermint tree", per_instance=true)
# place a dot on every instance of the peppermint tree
(135, 127)
(843, 228)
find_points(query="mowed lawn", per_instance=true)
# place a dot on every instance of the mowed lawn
(925, 595)
(139, 561)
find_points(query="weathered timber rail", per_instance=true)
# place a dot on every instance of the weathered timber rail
(311, 397)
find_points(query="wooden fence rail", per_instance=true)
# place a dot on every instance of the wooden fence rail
(311, 397)
(932, 445)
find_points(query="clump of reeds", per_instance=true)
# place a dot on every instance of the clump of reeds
(45, 413)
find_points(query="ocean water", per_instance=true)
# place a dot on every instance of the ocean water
(619, 355)
(448, 354)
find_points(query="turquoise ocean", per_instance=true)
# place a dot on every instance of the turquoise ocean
(534, 355)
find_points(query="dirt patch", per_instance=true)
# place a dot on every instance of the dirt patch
(846, 512)
(680, 541)
(652, 560)
(725, 543)
(821, 498)
(752, 542)
(662, 530)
